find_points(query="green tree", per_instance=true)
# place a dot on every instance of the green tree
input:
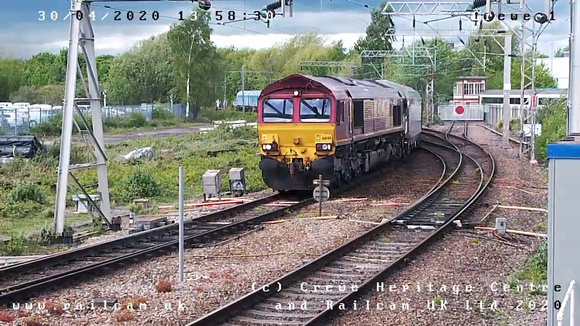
(195, 62)
(45, 68)
(50, 94)
(25, 94)
(10, 77)
(141, 75)
(104, 63)
(553, 120)
(378, 37)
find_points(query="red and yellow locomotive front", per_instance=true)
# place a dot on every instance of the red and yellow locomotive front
(296, 135)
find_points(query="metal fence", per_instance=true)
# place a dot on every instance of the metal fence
(125, 111)
(493, 113)
(15, 121)
(460, 112)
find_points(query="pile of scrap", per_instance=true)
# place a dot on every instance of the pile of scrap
(18, 146)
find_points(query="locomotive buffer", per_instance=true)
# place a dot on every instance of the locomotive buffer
(321, 192)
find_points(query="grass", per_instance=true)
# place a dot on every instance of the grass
(27, 187)
(17, 225)
(209, 115)
(535, 269)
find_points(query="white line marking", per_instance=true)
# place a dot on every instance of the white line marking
(105, 16)
(67, 16)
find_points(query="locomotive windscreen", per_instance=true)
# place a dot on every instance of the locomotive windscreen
(277, 110)
(315, 110)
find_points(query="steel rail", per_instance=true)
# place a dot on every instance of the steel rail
(326, 314)
(27, 289)
(248, 300)
(73, 254)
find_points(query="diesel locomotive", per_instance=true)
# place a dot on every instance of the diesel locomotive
(334, 126)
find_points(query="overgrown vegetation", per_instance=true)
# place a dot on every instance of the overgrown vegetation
(27, 188)
(133, 121)
(513, 127)
(552, 117)
(535, 269)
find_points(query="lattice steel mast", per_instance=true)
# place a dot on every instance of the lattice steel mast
(466, 8)
(407, 8)
(81, 36)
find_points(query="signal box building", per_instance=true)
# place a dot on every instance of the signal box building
(467, 89)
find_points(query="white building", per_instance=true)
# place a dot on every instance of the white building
(559, 68)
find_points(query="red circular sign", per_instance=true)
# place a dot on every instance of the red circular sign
(459, 110)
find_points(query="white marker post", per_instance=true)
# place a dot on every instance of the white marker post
(320, 198)
(321, 193)
(181, 249)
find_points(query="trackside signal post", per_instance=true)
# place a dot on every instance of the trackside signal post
(564, 181)
(321, 192)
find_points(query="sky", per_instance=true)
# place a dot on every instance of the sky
(24, 34)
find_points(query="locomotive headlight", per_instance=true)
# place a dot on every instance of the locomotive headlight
(270, 147)
(296, 93)
(323, 147)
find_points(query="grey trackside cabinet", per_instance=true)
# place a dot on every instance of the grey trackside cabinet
(563, 226)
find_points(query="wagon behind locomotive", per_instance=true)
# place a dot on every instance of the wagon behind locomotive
(334, 126)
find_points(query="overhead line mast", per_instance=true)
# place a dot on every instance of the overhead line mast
(81, 36)
(527, 41)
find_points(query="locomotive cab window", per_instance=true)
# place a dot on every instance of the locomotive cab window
(340, 113)
(277, 110)
(315, 110)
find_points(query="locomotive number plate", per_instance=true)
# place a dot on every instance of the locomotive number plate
(323, 138)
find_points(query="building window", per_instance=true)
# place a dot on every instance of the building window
(473, 88)
(457, 89)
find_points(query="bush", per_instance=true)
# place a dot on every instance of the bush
(514, 125)
(553, 120)
(11, 210)
(135, 302)
(209, 115)
(535, 269)
(161, 114)
(27, 192)
(135, 120)
(14, 247)
(141, 185)
(49, 127)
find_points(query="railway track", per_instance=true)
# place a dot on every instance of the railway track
(42, 274)
(24, 280)
(311, 294)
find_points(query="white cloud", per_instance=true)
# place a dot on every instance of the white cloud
(253, 41)
(342, 24)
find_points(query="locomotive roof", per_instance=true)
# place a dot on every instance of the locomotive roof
(339, 86)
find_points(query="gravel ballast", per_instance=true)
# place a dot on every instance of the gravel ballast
(217, 275)
(471, 260)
